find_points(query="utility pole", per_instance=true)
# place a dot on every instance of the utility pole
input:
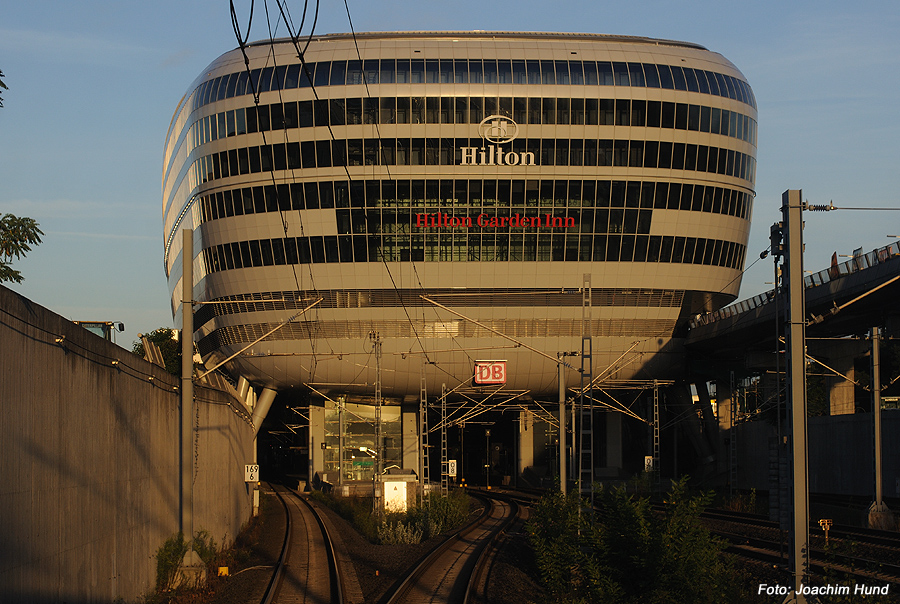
(445, 461)
(562, 424)
(379, 448)
(563, 470)
(192, 569)
(880, 516)
(423, 434)
(656, 462)
(792, 212)
(586, 432)
(341, 401)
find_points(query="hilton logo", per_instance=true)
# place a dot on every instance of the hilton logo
(496, 129)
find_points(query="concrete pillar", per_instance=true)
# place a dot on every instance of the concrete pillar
(243, 388)
(838, 355)
(841, 392)
(526, 446)
(614, 441)
(316, 438)
(724, 402)
(409, 420)
(262, 406)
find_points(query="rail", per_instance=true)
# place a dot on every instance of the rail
(446, 573)
(338, 594)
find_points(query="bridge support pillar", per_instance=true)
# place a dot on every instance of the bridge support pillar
(614, 442)
(262, 406)
(526, 441)
(316, 438)
(841, 392)
(410, 436)
(838, 358)
(724, 404)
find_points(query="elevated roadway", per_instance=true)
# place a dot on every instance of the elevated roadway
(844, 300)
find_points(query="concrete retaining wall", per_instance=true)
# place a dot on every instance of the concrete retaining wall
(840, 454)
(89, 468)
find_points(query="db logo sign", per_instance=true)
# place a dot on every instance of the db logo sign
(490, 372)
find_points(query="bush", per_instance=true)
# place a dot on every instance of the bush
(168, 559)
(624, 552)
(356, 510)
(568, 551)
(397, 532)
(171, 553)
(436, 515)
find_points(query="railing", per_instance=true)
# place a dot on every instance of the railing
(855, 264)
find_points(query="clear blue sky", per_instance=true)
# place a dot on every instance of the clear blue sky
(93, 84)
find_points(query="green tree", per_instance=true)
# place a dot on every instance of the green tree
(2, 86)
(17, 235)
(164, 338)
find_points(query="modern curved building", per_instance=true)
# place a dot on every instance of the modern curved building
(463, 195)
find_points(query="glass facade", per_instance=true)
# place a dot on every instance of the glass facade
(472, 71)
(359, 437)
(472, 110)
(634, 161)
(448, 152)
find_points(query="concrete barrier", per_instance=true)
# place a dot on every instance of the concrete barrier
(89, 462)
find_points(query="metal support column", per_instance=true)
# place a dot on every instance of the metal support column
(586, 433)
(423, 434)
(656, 467)
(187, 386)
(732, 436)
(379, 444)
(876, 411)
(792, 212)
(341, 400)
(880, 516)
(562, 423)
(445, 462)
(192, 569)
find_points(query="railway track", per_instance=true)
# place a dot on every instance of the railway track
(864, 554)
(451, 573)
(308, 570)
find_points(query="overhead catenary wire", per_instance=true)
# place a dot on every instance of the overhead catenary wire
(301, 56)
(242, 42)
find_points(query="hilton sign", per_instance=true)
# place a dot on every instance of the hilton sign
(496, 129)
